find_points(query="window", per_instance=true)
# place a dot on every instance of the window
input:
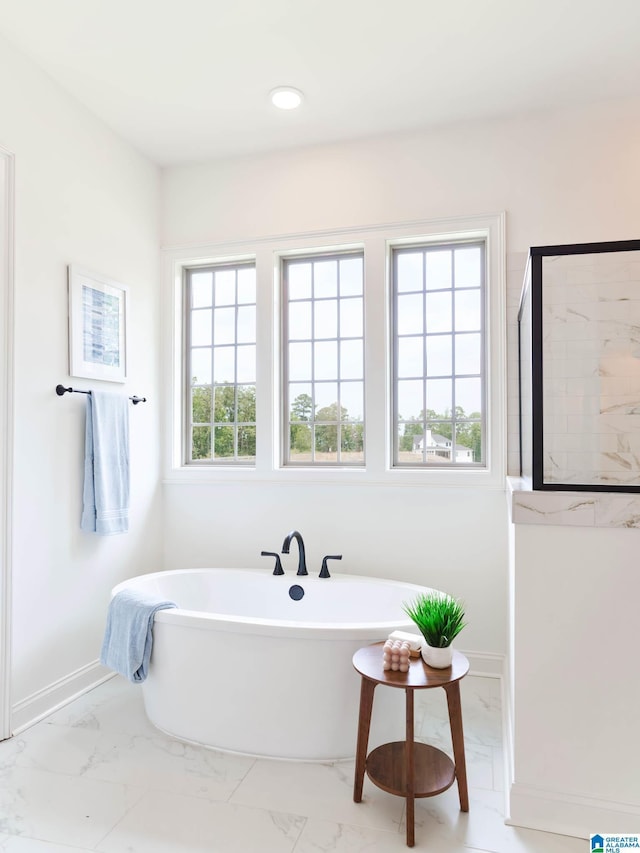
(221, 364)
(276, 326)
(438, 334)
(323, 370)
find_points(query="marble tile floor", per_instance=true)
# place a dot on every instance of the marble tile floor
(97, 776)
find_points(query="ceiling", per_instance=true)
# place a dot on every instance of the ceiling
(189, 80)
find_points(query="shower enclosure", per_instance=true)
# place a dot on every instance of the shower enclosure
(579, 360)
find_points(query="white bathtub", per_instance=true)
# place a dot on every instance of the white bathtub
(243, 667)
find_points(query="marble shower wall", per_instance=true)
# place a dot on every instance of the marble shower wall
(591, 368)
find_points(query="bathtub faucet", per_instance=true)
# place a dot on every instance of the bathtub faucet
(302, 562)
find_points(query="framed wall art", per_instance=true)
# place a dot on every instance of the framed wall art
(98, 309)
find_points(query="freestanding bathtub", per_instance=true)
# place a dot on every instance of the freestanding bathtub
(244, 664)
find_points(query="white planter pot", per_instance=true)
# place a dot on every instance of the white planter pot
(437, 658)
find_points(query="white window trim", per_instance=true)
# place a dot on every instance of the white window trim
(377, 242)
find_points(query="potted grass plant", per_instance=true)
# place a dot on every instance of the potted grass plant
(440, 618)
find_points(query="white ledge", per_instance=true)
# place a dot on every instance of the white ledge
(574, 509)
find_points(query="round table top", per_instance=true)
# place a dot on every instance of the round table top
(368, 662)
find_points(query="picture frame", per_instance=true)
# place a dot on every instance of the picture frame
(98, 313)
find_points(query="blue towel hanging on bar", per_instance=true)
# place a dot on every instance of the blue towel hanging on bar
(106, 464)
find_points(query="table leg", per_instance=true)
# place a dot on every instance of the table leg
(410, 782)
(364, 724)
(457, 737)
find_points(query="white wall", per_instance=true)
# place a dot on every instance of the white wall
(84, 197)
(575, 688)
(560, 178)
(563, 177)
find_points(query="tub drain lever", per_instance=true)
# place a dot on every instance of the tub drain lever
(278, 570)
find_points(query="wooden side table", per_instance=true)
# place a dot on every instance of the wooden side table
(406, 768)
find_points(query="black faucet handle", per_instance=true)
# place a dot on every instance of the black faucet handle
(278, 570)
(324, 571)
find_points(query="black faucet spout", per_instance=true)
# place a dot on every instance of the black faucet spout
(302, 560)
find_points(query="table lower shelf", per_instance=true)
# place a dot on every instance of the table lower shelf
(434, 771)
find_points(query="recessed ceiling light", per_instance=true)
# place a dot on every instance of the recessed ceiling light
(286, 97)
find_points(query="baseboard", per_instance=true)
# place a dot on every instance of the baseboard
(56, 695)
(569, 814)
(486, 664)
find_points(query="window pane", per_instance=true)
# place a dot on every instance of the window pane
(326, 360)
(225, 287)
(325, 279)
(467, 354)
(468, 317)
(300, 361)
(299, 280)
(246, 285)
(326, 319)
(300, 401)
(247, 443)
(201, 366)
(246, 404)
(407, 438)
(350, 276)
(468, 267)
(351, 360)
(352, 443)
(468, 442)
(439, 312)
(224, 325)
(438, 269)
(247, 324)
(439, 355)
(299, 320)
(409, 271)
(223, 441)
(410, 315)
(410, 399)
(201, 289)
(439, 396)
(469, 395)
(352, 401)
(224, 364)
(326, 395)
(411, 357)
(225, 404)
(326, 443)
(300, 443)
(201, 405)
(201, 328)
(201, 442)
(351, 318)
(246, 365)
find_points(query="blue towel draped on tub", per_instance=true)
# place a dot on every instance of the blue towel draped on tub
(128, 636)
(105, 496)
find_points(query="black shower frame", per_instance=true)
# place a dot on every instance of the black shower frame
(536, 254)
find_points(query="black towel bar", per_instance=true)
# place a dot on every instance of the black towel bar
(60, 390)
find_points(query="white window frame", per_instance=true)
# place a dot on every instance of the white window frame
(377, 243)
(425, 246)
(188, 350)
